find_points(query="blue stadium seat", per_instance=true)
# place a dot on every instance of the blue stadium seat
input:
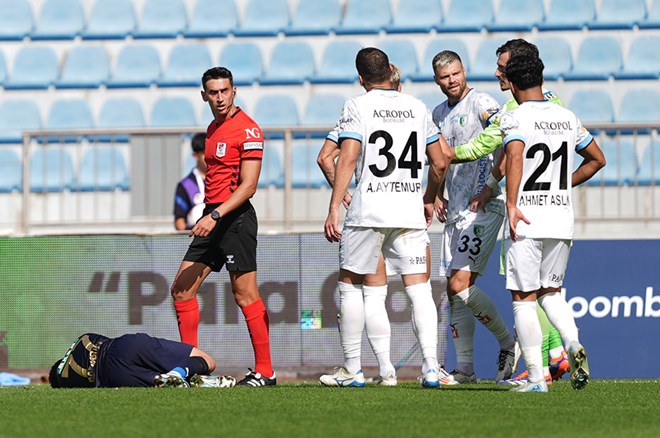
(640, 105)
(65, 114)
(161, 19)
(432, 98)
(556, 55)
(35, 68)
(244, 60)
(485, 62)
(365, 17)
(84, 67)
(16, 21)
(212, 19)
(110, 19)
(467, 16)
(318, 17)
(51, 170)
(185, 66)
(338, 63)
(643, 60)
(272, 171)
(598, 58)
(323, 109)
(652, 20)
(517, 16)
(11, 171)
(593, 106)
(103, 169)
(649, 169)
(437, 45)
(276, 110)
(416, 16)
(264, 18)
(16, 116)
(402, 53)
(305, 172)
(121, 112)
(291, 63)
(3, 68)
(568, 15)
(59, 20)
(621, 168)
(619, 14)
(138, 65)
(173, 111)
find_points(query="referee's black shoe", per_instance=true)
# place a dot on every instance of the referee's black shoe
(254, 378)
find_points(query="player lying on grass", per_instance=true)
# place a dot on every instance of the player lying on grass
(134, 360)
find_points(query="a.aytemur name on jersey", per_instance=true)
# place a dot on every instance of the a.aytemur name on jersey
(393, 114)
(394, 186)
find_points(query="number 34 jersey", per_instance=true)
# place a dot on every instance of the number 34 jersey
(550, 134)
(394, 130)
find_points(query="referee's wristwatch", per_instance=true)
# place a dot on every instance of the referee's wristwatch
(215, 215)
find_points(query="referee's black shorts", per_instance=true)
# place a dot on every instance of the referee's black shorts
(232, 243)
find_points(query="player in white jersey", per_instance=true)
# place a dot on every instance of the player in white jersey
(383, 136)
(469, 236)
(539, 140)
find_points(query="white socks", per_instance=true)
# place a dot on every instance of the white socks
(560, 315)
(351, 324)
(378, 326)
(530, 337)
(484, 310)
(462, 329)
(425, 323)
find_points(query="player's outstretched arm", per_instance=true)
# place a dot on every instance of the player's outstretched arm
(483, 144)
(593, 161)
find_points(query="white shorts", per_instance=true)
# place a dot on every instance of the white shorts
(404, 249)
(468, 243)
(535, 263)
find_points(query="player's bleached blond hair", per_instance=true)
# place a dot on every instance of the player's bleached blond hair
(445, 58)
(395, 78)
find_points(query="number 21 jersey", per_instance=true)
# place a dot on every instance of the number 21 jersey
(394, 130)
(550, 134)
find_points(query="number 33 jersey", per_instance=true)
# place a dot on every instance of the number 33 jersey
(550, 134)
(394, 130)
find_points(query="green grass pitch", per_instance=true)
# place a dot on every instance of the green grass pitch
(622, 408)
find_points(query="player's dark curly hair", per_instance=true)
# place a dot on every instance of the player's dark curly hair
(373, 65)
(517, 47)
(525, 71)
(54, 378)
(217, 73)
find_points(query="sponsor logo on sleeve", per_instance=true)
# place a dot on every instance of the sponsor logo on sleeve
(252, 133)
(253, 145)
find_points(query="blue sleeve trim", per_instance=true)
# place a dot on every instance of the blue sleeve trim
(512, 137)
(351, 135)
(433, 138)
(332, 137)
(584, 143)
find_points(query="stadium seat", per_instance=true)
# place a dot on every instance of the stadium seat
(244, 60)
(619, 14)
(138, 65)
(437, 45)
(338, 63)
(16, 116)
(11, 171)
(186, 64)
(85, 67)
(556, 55)
(621, 168)
(102, 169)
(272, 172)
(51, 170)
(16, 20)
(365, 17)
(467, 16)
(416, 16)
(264, 18)
(568, 15)
(161, 19)
(640, 105)
(643, 60)
(119, 112)
(291, 63)
(69, 113)
(652, 20)
(173, 111)
(432, 98)
(305, 172)
(319, 17)
(110, 19)
(593, 106)
(212, 19)
(323, 109)
(35, 68)
(485, 62)
(59, 20)
(517, 16)
(276, 110)
(598, 58)
(402, 53)
(649, 169)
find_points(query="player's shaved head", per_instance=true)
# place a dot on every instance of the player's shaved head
(525, 72)
(445, 58)
(517, 47)
(373, 65)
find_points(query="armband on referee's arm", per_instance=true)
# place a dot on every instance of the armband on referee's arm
(492, 182)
